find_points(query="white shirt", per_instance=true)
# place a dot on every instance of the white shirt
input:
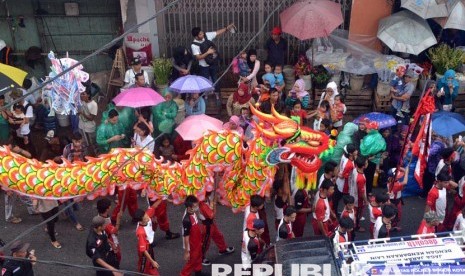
(340, 181)
(130, 77)
(459, 223)
(90, 108)
(441, 203)
(196, 49)
(148, 141)
(460, 188)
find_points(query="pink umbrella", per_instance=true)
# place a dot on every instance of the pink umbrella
(138, 97)
(194, 126)
(311, 18)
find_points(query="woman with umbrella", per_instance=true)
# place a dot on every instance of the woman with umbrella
(164, 114)
(195, 105)
(449, 89)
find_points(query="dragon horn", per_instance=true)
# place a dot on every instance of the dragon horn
(263, 116)
(280, 117)
(266, 132)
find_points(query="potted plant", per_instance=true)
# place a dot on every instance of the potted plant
(162, 70)
(320, 76)
(444, 58)
(303, 70)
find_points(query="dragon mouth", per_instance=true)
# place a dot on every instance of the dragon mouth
(307, 163)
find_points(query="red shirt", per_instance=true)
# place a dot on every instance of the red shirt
(322, 209)
(437, 201)
(301, 114)
(348, 168)
(348, 214)
(396, 190)
(425, 229)
(143, 243)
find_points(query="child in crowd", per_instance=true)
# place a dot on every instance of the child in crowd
(233, 125)
(383, 223)
(437, 197)
(325, 126)
(395, 192)
(166, 149)
(374, 209)
(323, 112)
(298, 93)
(337, 111)
(298, 114)
(322, 216)
(357, 189)
(429, 223)
(278, 74)
(397, 87)
(245, 118)
(269, 79)
(244, 69)
(349, 212)
(284, 230)
(19, 118)
(342, 232)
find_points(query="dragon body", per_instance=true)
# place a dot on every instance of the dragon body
(245, 168)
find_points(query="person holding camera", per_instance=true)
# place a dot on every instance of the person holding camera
(14, 267)
(205, 51)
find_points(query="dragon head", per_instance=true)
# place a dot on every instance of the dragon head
(299, 146)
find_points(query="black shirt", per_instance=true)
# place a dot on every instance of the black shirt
(97, 247)
(17, 268)
(276, 51)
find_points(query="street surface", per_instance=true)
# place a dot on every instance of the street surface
(169, 253)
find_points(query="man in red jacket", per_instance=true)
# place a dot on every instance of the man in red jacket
(208, 210)
(145, 240)
(193, 234)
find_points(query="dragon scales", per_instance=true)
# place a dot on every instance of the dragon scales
(246, 168)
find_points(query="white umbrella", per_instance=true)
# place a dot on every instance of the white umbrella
(406, 32)
(456, 18)
(426, 8)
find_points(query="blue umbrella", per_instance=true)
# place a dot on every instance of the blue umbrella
(191, 84)
(447, 123)
(383, 120)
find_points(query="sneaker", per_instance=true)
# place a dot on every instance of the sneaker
(362, 218)
(228, 250)
(400, 114)
(15, 220)
(206, 262)
(405, 110)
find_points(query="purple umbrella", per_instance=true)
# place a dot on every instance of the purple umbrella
(191, 84)
(383, 120)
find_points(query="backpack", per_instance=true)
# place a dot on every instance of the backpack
(211, 59)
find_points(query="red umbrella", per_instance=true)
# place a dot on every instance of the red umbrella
(311, 18)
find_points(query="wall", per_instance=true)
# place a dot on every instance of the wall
(99, 21)
(364, 20)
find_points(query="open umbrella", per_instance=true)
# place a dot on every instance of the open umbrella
(138, 97)
(406, 32)
(11, 77)
(191, 84)
(448, 123)
(311, 18)
(383, 120)
(426, 8)
(456, 16)
(194, 126)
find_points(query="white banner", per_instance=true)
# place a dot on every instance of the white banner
(417, 250)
